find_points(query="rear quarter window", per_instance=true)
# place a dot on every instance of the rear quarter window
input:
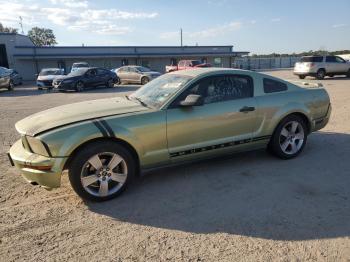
(273, 86)
(312, 59)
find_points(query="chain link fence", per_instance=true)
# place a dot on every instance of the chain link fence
(251, 63)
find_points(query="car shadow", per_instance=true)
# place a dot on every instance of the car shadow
(328, 78)
(33, 91)
(251, 194)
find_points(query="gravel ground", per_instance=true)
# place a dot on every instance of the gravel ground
(247, 207)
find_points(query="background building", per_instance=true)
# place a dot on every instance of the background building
(18, 52)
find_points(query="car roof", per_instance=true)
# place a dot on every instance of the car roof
(202, 71)
(46, 69)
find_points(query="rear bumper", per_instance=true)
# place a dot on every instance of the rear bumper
(321, 122)
(28, 164)
(304, 73)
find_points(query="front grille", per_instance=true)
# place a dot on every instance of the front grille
(57, 82)
(47, 82)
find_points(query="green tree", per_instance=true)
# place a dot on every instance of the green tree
(4, 29)
(42, 36)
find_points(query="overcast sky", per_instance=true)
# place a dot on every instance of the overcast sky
(249, 25)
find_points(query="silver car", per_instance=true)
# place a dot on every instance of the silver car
(135, 74)
(321, 66)
(5, 79)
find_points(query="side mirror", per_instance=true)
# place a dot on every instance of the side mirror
(192, 100)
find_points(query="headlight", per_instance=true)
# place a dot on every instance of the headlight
(37, 146)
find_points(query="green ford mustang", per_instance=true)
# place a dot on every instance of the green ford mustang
(182, 116)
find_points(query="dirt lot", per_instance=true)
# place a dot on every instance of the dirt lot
(248, 207)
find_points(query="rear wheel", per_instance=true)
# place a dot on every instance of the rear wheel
(101, 171)
(321, 73)
(348, 73)
(144, 80)
(289, 137)
(79, 86)
(117, 81)
(301, 77)
(11, 85)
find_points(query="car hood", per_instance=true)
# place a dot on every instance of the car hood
(60, 78)
(48, 77)
(77, 112)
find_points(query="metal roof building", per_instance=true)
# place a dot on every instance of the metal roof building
(17, 51)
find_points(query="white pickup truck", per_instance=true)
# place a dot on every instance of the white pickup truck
(321, 66)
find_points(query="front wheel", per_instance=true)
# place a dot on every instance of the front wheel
(110, 83)
(11, 85)
(301, 77)
(101, 171)
(79, 86)
(289, 137)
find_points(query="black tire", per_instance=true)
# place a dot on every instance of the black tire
(117, 81)
(144, 80)
(40, 88)
(276, 142)
(301, 77)
(80, 160)
(348, 74)
(11, 86)
(79, 86)
(321, 73)
(110, 83)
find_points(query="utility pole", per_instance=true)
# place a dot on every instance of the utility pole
(21, 24)
(181, 36)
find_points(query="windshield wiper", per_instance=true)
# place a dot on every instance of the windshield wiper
(141, 102)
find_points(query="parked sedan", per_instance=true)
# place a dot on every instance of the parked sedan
(84, 78)
(179, 117)
(5, 79)
(136, 74)
(46, 76)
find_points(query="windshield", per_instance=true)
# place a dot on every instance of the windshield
(50, 72)
(196, 62)
(143, 69)
(80, 65)
(78, 72)
(160, 90)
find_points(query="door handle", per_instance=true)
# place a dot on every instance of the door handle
(246, 109)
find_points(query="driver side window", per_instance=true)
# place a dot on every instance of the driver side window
(220, 88)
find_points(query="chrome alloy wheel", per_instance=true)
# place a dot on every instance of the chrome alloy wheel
(104, 174)
(291, 137)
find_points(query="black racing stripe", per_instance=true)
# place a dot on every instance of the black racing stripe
(218, 146)
(107, 127)
(100, 127)
(47, 149)
(261, 138)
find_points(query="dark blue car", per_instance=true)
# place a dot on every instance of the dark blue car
(85, 78)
